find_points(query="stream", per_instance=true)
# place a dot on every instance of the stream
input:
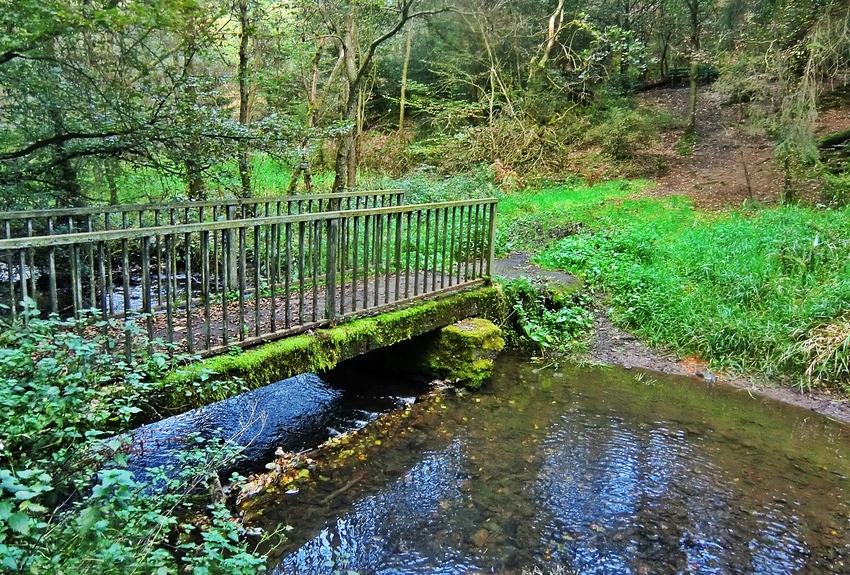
(588, 470)
(293, 414)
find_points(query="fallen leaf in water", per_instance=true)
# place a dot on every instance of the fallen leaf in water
(480, 538)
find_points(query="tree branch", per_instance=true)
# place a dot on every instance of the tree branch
(60, 139)
(404, 19)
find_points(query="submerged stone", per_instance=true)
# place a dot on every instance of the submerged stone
(465, 351)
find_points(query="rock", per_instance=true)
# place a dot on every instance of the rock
(465, 351)
(481, 537)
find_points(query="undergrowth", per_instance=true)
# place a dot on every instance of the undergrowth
(531, 221)
(763, 292)
(542, 319)
(68, 502)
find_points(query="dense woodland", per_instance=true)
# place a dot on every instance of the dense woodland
(116, 102)
(108, 102)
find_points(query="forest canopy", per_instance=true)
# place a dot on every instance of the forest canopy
(100, 98)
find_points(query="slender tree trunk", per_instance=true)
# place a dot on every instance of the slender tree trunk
(112, 170)
(196, 188)
(403, 97)
(352, 81)
(314, 104)
(244, 96)
(556, 19)
(345, 166)
(693, 6)
(354, 155)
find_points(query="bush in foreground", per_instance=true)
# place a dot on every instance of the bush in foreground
(68, 503)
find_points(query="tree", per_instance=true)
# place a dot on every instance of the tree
(358, 29)
(246, 28)
(91, 87)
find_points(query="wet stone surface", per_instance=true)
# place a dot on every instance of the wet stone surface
(291, 415)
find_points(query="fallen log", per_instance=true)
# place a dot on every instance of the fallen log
(835, 139)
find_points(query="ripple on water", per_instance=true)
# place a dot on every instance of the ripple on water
(597, 472)
(616, 500)
(383, 534)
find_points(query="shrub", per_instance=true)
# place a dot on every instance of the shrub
(68, 503)
(545, 319)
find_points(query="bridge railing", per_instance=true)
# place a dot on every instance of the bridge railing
(205, 287)
(31, 223)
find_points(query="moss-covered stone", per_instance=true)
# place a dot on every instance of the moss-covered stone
(465, 351)
(227, 375)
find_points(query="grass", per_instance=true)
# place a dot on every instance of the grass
(765, 292)
(529, 221)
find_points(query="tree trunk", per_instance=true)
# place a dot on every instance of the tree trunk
(195, 185)
(112, 170)
(345, 166)
(196, 188)
(244, 96)
(693, 6)
(352, 94)
(403, 97)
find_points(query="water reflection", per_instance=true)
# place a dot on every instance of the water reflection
(600, 474)
(383, 534)
(619, 501)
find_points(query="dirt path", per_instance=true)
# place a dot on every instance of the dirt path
(730, 163)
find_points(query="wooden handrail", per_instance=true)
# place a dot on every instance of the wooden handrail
(149, 232)
(126, 208)
(205, 286)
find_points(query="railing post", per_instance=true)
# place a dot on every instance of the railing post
(491, 255)
(330, 262)
(232, 252)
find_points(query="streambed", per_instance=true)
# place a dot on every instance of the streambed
(596, 470)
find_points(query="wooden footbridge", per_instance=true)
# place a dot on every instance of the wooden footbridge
(202, 277)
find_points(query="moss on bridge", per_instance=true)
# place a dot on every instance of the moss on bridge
(224, 376)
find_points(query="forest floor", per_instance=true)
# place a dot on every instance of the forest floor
(730, 164)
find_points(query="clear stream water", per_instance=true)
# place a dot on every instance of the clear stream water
(596, 470)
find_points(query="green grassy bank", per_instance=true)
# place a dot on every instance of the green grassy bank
(765, 291)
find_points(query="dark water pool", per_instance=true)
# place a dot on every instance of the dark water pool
(587, 470)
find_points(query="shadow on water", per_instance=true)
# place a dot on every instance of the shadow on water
(294, 414)
(601, 471)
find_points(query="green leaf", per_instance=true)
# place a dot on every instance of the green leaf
(9, 561)
(88, 518)
(20, 523)
(6, 509)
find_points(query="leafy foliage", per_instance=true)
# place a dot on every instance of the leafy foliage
(68, 503)
(545, 320)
